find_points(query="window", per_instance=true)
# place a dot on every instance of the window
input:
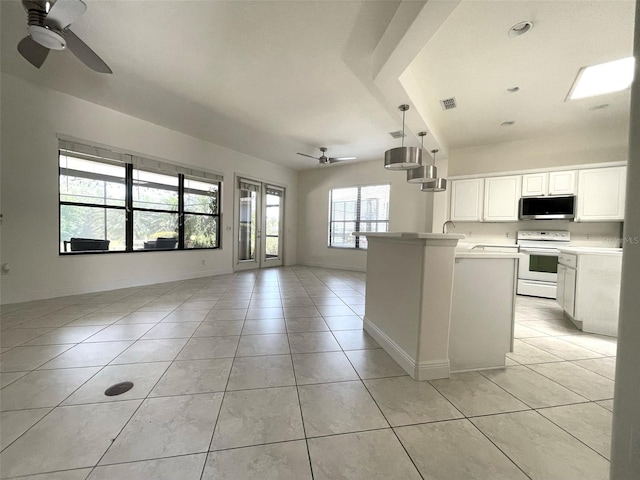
(357, 209)
(117, 202)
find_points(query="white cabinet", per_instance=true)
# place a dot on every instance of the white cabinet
(601, 194)
(560, 285)
(466, 200)
(562, 183)
(535, 184)
(549, 183)
(482, 311)
(501, 196)
(589, 287)
(569, 293)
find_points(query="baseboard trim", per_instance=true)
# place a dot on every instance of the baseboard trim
(105, 286)
(333, 266)
(430, 370)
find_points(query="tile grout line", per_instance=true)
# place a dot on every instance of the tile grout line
(295, 381)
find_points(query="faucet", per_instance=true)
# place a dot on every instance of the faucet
(444, 226)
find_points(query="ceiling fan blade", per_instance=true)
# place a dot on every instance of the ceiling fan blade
(84, 53)
(340, 159)
(35, 53)
(64, 12)
(305, 155)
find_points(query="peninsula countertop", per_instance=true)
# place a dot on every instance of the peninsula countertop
(411, 235)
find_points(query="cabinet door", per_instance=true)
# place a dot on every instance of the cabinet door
(569, 293)
(534, 184)
(466, 200)
(501, 196)
(562, 183)
(601, 193)
(560, 286)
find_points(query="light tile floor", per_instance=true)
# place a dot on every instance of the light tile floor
(269, 375)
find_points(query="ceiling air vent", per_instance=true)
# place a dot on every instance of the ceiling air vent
(448, 103)
(397, 134)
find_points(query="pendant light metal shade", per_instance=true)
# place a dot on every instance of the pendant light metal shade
(438, 185)
(403, 158)
(424, 173)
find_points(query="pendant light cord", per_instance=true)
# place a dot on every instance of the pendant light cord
(403, 112)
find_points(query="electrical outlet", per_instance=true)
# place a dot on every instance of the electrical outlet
(507, 235)
(588, 237)
(204, 262)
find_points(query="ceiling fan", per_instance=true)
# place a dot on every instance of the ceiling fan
(48, 24)
(324, 160)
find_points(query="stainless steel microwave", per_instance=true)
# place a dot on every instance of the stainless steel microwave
(547, 208)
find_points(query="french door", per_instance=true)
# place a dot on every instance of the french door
(259, 224)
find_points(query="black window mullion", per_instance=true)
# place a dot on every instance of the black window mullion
(358, 199)
(128, 200)
(180, 211)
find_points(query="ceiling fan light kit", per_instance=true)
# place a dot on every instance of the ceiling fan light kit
(48, 29)
(403, 158)
(47, 37)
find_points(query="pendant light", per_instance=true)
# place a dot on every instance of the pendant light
(403, 158)
(437, 185)
(424, 173)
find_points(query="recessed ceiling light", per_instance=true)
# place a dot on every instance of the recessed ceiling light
(507, 124)
(513, 89)
(603, 78)
(520, 28)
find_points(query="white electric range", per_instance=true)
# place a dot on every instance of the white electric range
(538, 270)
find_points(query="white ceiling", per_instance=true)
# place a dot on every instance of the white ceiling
(272, 78)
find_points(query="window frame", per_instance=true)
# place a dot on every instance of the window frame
(358, 215)
(129, 209)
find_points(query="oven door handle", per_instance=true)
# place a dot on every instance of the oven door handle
(541, 252)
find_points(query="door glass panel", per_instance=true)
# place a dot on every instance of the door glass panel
(247, 227)
(272, 226)
(543, 263)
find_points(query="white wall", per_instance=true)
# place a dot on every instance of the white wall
(31, 118)
(569, 148)
(410, 209)
(625, 446)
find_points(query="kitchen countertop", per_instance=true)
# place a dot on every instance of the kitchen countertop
(591, 250)
(410, 235)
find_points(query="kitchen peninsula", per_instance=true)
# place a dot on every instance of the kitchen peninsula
(435, 309)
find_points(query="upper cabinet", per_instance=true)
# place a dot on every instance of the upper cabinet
(599, 191)
(466, 200)
(601, 194)
(535, 184)
(501, 195)
(562, 183)
(549, 183)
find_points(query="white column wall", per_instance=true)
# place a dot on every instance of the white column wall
(31, 118)
(625, 450)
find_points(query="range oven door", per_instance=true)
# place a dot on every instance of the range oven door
(539, 264)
